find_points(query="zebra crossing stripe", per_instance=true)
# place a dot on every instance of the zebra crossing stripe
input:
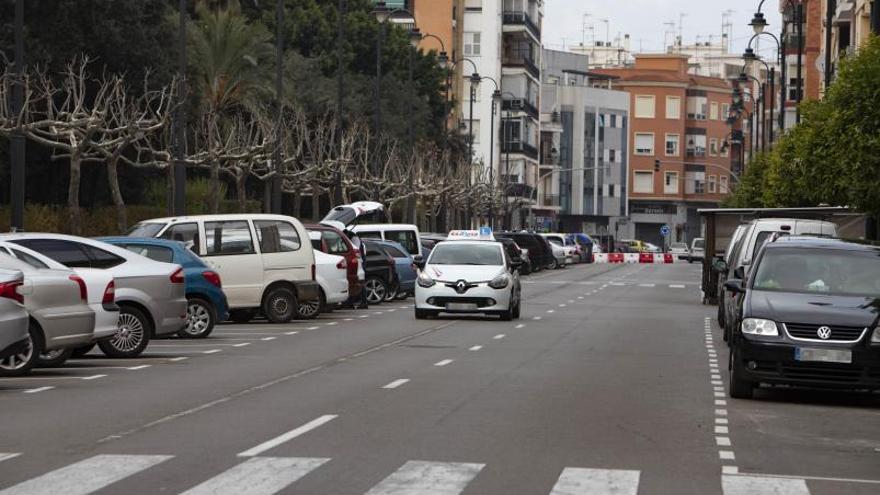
(583, 481)
(258, 476)
(758, 485)
(428, 478)
(86, 476)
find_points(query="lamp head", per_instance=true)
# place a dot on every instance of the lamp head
(475, 80)
(749, 55)
(743, 78)
(381, 12)
(415, 37)
(443, 60)
(758, 23)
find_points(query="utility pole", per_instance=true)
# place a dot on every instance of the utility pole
(17, 148)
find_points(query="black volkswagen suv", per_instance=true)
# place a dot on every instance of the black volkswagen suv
(808, 316)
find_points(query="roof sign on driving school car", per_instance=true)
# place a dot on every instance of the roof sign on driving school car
(483, 234)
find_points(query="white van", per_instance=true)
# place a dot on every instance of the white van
(760, 230)
(404, 234)
(266, 262)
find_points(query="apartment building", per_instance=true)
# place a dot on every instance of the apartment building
(679, 119)
(605, 54)
(852, 21)
(584, 147)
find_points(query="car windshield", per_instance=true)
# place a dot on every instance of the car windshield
(699, 243)
(678, 245)
(451, 253)
(146, 229)
(823, 271)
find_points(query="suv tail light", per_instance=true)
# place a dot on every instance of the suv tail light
(83, 291)
(109, 293)
(314, 277)
(9, 290)
(342, 264)
(213, 278)
(177, 276)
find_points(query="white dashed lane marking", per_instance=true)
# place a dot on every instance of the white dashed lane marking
(396, 383)
(475, 348)
(37, 390)
(443, 362)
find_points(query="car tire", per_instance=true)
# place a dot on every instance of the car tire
(376, 289)
(554, 265)
(132, 335)
(422, 314)
(280, 305)
(242, 316)
(200, 318)
(739, 388)
(311, 309)
(392, 293)
(81, 351)
(516, 310)
(53, 359)
(507, 314)
(21, 364)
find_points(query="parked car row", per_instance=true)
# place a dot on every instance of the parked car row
(799, 307)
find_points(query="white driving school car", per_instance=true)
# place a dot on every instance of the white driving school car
(468, 273)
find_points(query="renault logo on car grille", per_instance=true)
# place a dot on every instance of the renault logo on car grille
(824, 333)
(461, 286)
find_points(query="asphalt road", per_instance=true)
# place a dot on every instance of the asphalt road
(613, 382)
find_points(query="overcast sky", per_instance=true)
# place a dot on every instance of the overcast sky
(644, 21)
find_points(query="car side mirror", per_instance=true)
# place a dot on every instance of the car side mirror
(734, 285)
(739, 272)
(720, 266)
(416, 258)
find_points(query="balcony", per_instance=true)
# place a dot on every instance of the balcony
(523, 61)
(520, 191)
(549, 200)
(519, 18)
(696, 152)
(520, 105)
(521, 148)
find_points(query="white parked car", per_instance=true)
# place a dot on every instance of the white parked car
(13, 316)
(679, 250)
(332, 276)
(61, 320)
(468, 277)
(561, 256)
(266, 262)
(100, 284)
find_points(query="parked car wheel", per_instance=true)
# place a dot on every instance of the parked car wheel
(131, 337)
(554, 265)
(82, 351)
(21, 363)
(308, 310)
(376, 290)
(280, 305)
(53, 358)
(739, 388)
(507, 314)
(516, 310)
(200, 318)
(242, 316)
(391, 294)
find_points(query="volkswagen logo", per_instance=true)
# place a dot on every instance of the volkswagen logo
(824, 333)
(461, 287)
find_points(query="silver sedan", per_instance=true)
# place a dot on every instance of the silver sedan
(13, 315)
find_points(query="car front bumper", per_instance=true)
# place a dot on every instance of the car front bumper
(775, 363)
(486, 299)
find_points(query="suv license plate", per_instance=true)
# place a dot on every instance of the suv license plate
(823, 355)
(461, 306)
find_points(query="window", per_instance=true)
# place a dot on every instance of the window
(673, 107)
(155, 253)
(713, 147)
(183, 232)
(473, 5)
(370, 235)
(228, 238)
(725, 111)
(725, 150)
(696, 107)
(612, 156)
(335, 243)
(645, 106)
(713, 111)
(723, 187)
(102, 259)
(472, 44)
(30, 260)
(670, 184)
(712, 184)
(406, 238)
(613, 120)
(69, 254)
(276, 236)
(643, 182)
(644, 143)
(696, 145)
(672, 144)
(610, 190)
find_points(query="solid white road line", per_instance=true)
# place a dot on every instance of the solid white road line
(444, 362)
(579, 481)
(428, 478)
(475, 348)
(258, 476)
(396, 383)
(759, 485)
(4, 456)
(86, 476)
(139, 367)
(37, 390)
(286, 437)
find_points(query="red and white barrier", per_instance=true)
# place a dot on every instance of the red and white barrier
(653, 258)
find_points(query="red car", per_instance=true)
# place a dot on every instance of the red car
(333, 241)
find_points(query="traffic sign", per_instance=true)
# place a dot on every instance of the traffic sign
(664, 230)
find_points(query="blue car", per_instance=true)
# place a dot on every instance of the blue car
(405, 266)
(204, 292)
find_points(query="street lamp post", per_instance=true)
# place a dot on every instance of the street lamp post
(759, 23)
(750, 56)
(17, 148)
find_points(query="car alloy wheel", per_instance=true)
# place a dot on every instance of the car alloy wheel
(20, 360)
(199, 319)
(309, 309)
(130, 333)
(376, 290)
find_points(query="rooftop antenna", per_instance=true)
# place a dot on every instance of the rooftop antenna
(584, 29)
(681, 17)
(607, 30)
(726, 29)
(670, 29)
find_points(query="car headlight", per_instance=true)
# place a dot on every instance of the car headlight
(875, 337)
(425, 281)
(500, 281)
(758, 326)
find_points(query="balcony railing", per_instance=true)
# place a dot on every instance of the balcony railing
(696, 152)
(520, 147)
(549, 200)
(520, 190)
(522, 61)
(520, 105)
(522, 19)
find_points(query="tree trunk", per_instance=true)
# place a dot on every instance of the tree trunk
(316, 203)
(241, 191)
(215, 187)
(297, 205)
(74, 214)
(116, 194)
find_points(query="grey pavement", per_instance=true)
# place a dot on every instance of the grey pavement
(613, 382)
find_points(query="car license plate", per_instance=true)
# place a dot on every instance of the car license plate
(461, 306)
(823, 355)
